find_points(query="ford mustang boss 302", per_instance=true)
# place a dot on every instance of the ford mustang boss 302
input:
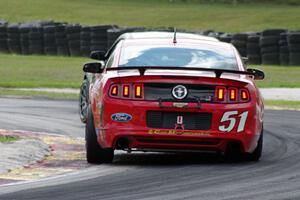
(161, 91)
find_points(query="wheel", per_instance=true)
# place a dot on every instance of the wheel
(256, 154)
(94, 153)
(84, 100)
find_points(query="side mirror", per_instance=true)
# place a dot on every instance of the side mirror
(93, 67)
(98, 55)
(258, 74)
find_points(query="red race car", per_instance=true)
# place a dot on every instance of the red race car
(161, 91)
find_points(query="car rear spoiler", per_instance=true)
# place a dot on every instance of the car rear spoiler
(218, 72)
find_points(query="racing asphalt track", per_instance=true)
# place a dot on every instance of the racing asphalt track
(164, 176)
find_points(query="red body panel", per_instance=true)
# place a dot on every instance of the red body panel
(140, 136)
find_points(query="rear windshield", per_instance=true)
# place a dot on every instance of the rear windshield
(208, 56)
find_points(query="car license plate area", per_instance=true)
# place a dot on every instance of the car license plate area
(183, 120)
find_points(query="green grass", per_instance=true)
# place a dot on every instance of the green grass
(37, 94)
(18, 71)
(4, 138)
(283, 104)
(188, 14)
(40, 71)
(280, 76)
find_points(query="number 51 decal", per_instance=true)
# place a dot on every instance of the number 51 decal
(230, 117)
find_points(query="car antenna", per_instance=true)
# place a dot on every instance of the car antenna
(174, 39)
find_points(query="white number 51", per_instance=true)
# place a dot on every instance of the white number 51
(231, 117)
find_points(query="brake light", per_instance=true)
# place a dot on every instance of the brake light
(220, 93)
(244, 95)
(125, 90)
(128, 91)
(231, 95)
(138, 91)
(114, 90)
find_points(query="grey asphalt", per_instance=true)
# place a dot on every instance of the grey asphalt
(164, 176)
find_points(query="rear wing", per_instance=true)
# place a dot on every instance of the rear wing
(218, 72)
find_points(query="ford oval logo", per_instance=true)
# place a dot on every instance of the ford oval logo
(121, 117)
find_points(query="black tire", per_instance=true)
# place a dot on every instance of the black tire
(294, 37)
(271, 32)
(253, 38)
(239, 43)
(253, 45)
(270, 59)
(73, 36)
(84, 100)
(284, 50)
(256, 154)
(269, 40)
(283, 43)
(294, 48)
(269, 49)
(240, 36)
(294, 59)
(50, 51)
(63, 51)
(254, 59)
(13, 36)
(85, 36)
(284, 59)
(253, 52)
(94, 153)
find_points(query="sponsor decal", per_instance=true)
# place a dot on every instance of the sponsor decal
(180, 105)
(176, 132)
(179, 124)
(121, 117)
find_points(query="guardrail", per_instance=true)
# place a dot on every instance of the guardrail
(273, 46)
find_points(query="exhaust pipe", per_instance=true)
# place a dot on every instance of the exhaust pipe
(122, 143)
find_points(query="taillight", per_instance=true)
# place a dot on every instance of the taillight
(125, 90)
(114, 90)
(138, 91)
(220, 93)
(128, 91)
(244, 95)
(231, 95)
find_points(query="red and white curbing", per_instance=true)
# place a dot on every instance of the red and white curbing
(66, 154)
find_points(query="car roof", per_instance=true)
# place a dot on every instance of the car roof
(165, 35)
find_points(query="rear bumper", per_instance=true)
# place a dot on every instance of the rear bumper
(140, 136)
(159, 139)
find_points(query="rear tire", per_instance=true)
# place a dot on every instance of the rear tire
(256, 154)
(84, 100)
(94, 153)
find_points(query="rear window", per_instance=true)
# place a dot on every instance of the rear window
(207, 56)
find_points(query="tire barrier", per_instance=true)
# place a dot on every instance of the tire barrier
(270, 47)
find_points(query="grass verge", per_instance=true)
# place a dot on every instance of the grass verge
(187, 14)
(5, 138)
(294, 105)
(37, 94)
(18, 71)
(280, 76)
(40, 71)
